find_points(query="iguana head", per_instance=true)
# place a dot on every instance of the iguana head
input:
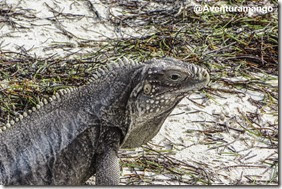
(164, 83)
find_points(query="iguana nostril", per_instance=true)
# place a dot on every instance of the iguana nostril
(200, 72)
(206, 75)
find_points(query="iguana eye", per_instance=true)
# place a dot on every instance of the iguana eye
(174, 77)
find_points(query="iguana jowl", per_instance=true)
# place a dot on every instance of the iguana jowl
(78, 132)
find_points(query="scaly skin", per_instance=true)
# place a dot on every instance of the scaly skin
(79, 132)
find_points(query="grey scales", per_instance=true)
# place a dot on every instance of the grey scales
(77, 132)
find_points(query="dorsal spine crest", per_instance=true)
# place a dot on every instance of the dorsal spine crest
(112, 65)
(56, 96)
(100, 72)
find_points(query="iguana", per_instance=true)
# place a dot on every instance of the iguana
(77, 132)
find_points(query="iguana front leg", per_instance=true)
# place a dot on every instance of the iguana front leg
(107, 170)
(107, 161)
